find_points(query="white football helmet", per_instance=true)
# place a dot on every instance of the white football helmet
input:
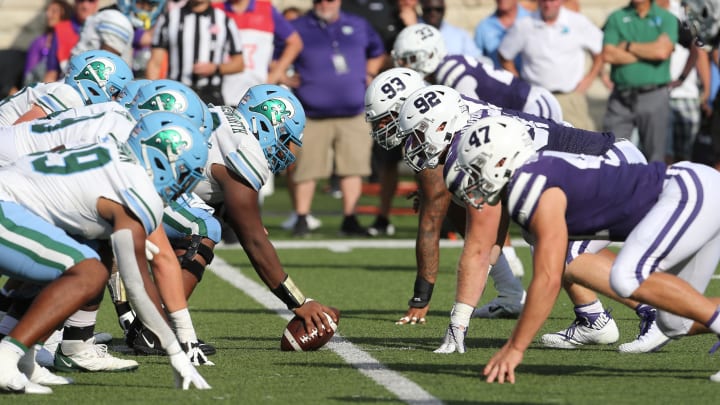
(703, 16)
(419, 47)
(488, 151)
(383, 99)
(428, 119)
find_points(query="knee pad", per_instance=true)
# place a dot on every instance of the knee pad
(671, 325)
(188, 260)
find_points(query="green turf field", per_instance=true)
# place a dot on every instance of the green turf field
(371, 287)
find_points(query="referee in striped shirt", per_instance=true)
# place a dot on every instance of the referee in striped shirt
(202, 44)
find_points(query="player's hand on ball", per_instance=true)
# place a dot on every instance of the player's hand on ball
(313, 313)
(185, 373)
(414, 316)
(454, 340)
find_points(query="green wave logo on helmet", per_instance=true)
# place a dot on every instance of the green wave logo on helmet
(167, 100)
(170, 141)
(275, 109)
(98, 71)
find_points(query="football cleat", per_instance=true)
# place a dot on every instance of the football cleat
(143, 341)
(587, 329)
(90, 357)
(650, 338)
(36, 373)
(500, 308)
(14, 381)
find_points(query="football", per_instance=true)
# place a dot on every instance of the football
(295, 339)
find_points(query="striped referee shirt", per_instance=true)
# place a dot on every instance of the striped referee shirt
(209, 36)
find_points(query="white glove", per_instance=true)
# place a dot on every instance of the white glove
(454, 340)
(150, 250)
(185, 373)
(195, 354)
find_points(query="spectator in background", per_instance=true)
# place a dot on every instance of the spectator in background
(457, 40)
(203, 45)
(687, 63)
(67, 34)
(341, 55)
(408, 12)
(261, 26)
(638, 42)
(385, 18)
(490, 31)
(555, 39)
(39, 50)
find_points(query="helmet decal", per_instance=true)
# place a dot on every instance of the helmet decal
(275, 109)
(167, 100)
(170, 141)
(98, 71)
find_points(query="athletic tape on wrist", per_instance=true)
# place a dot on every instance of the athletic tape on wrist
(422, 295)
(288, 293)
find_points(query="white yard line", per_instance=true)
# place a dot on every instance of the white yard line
(406, 390)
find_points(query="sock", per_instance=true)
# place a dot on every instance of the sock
(11, 351)
(460, 314)
(183, 326)
(714, 323)
(504, 280)
(591, 308)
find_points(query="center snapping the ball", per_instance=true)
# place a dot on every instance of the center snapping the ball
(294, 337)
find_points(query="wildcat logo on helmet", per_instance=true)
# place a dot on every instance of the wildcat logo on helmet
(168, 100)
(275, 109)
(98, 71)
(170, 141)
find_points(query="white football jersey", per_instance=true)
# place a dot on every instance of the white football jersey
(49, 133)
(63, 188)
(233, 146)
(51, 97)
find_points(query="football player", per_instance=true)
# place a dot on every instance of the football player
(93, 77)
(383, 100)
(666, 216)
(46, 198)
(420, 47)
(703, 17)
(430, 119)
(102, 122)
(251, 142)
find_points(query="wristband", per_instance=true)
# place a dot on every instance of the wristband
(288, 293)
(422, 295)
(217, 70)
(627, 46)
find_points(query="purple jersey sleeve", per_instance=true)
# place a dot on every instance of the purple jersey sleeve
(484, 82)
(547, 134)
(603, 201)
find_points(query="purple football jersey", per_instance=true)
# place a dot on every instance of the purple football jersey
(475, 79)
(547, 134)
(604, 201)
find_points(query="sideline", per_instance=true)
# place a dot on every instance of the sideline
(405, 389)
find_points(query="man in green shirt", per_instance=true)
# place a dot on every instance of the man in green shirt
(638, 42)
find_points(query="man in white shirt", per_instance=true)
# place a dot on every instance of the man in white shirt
(555, 39)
